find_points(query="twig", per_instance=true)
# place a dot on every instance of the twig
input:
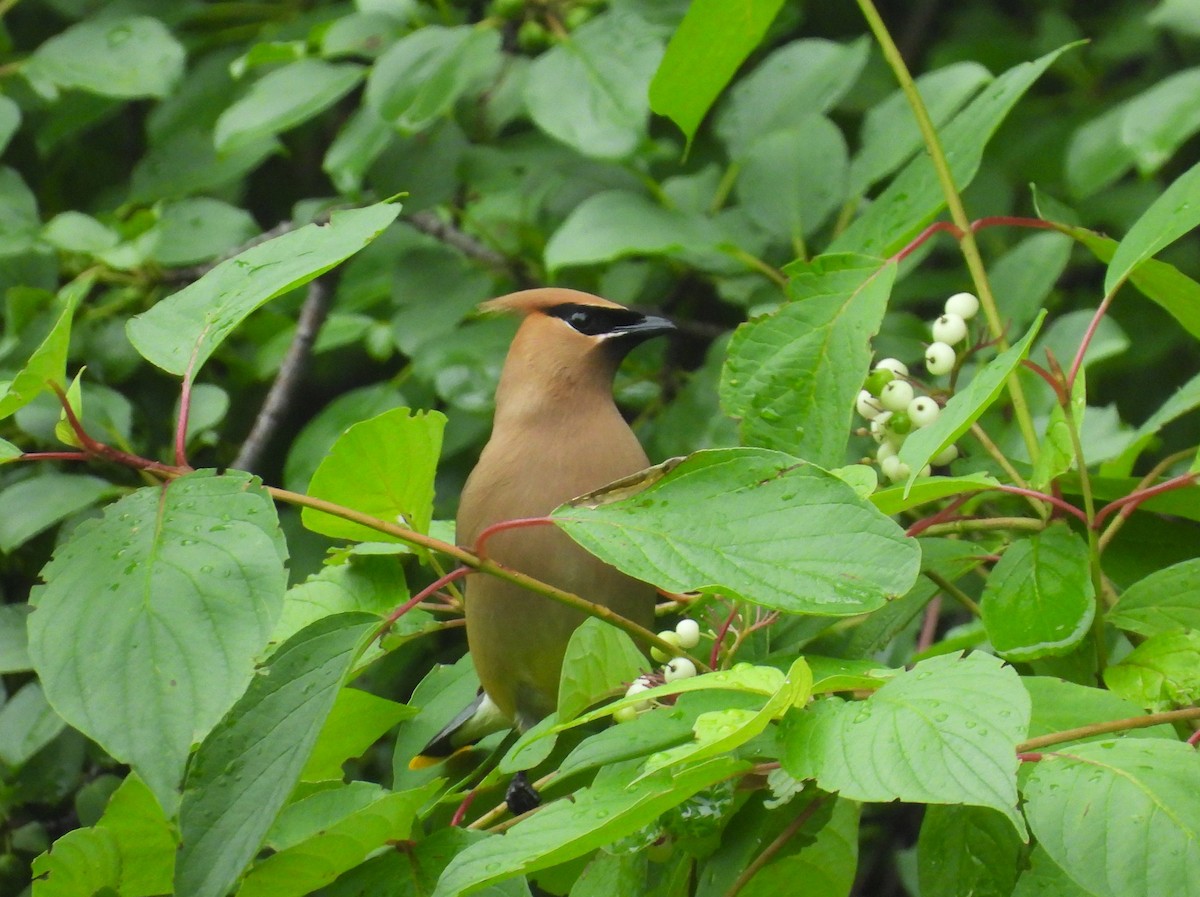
(953, 591)
(428, 222)
(1115, 725)
(775, 846)
(979, 524)
(929, 625)
(1130, 502)
(279, 397)
(439, 583)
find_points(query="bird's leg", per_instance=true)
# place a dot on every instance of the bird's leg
(521, 796)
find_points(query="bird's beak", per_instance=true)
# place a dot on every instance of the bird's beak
(647, 327)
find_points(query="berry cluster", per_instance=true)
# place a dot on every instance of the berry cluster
(890, 403)
(686, 635)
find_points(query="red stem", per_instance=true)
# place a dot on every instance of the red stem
(1010, 221)
(1087, 339)
(1048, 377)
(1130, 502)
(1194, 738)
(461, 812)
(929, 624)
(715, 656)
(1043, 496)
(95, 449)
(54, 456)
(1029, 757)
(936, 228)
(940, 517)
(440, 582)
(185, 406)
(517, 523)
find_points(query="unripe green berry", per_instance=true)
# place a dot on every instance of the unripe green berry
(965, 305)
(896, 395)
(667, 635)
(877, 380)
(900, 423)
(949, 329)
(626, 714)
(923, 411)
(576, 16)
(532, 36)
(895, 365)
(689, 634)
(507, 9)
(939, 359)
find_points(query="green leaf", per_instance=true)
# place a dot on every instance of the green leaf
(282, 99)
(129, 57)
(944, 732)
(144, 838)
(187, 161)
(14, 641)
(10, 121)
(358, 719)
(791, 536)
(27, 724)
(712, 41)
(801, 78)
(618, 223)
(794, 178)
(1045, 878)
(150, 618)
(590, 91)
(8, 451)
(1165, 600)
(300, 868)
(199, 229)
(38, 503)
(609, 809)
(599, 658)
(358, 144)
(1059, 705)
(1122, 818)
(1161, 673)
(48, 362)
(1158, 121)
(792, 376)
(246, 767)
(83, 861)
(76, 232)
(1175, 212)
(967, 850)
(824, 857)
(965, 406)
(1182, 401)
(893, 500)
(723, 731)
(383, 467)
(183, 330)
(1024, 276)
(914, 197)
(890, 134)
(1039, 600)
(422, 75)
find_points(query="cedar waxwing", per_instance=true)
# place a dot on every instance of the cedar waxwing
(557, 435)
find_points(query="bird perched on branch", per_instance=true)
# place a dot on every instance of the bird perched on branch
(557, 435)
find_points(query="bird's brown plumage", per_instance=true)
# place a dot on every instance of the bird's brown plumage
(557, 434)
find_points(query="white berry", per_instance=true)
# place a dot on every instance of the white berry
(945, 456)
(667, 635)
(678, 668)
(896, 395)
(689, 633)
(879, 426)
(939, 359)
(885, 451)
(965, 305)
(923, 411)
(867, 405)
(950, 329)
(893, 468)
(895, 365)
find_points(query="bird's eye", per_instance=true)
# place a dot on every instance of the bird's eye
(579, 320)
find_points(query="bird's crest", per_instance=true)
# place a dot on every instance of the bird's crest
(528, 301)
